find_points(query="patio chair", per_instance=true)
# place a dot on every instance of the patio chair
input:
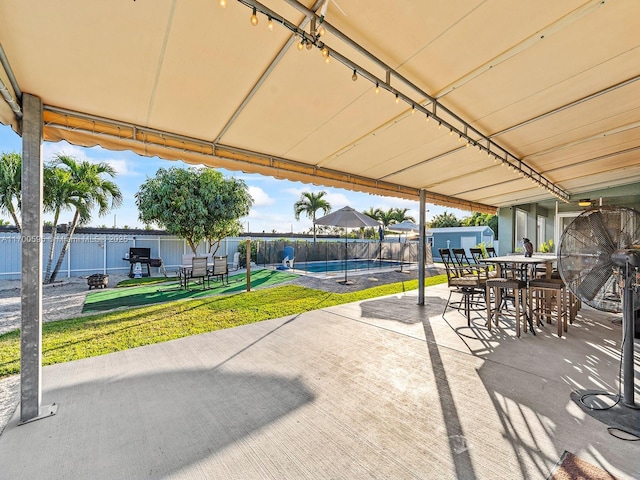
(289, 257)
(235, 265)
(470, 283)
(198, 270)
(220, 269)
(491, 251)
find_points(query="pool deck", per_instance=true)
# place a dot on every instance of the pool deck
(381, 388)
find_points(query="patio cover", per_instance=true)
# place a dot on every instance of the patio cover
(514, 102)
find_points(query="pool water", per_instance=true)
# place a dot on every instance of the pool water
(339, 265)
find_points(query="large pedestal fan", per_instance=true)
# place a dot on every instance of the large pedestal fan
(599, 260)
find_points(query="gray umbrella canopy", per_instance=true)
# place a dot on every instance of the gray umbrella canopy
(404, 227)
(347, 217)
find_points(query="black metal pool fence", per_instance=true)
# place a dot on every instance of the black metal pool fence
(271, 253)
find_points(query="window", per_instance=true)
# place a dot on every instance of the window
(521, 228)
(541, 230)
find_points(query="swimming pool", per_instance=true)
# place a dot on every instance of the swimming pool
(339, 265)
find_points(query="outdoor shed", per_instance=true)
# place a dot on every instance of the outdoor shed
(458, 237)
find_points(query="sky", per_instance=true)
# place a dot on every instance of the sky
(273, 198)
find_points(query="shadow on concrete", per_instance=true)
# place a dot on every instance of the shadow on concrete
(150, 425)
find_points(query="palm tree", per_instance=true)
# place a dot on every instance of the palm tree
(400, 215)
(386, 217)
(10, 184)
(90, 190)
(60, 193)
(309, 203)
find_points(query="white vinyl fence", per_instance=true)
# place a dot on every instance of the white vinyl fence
(90, 253)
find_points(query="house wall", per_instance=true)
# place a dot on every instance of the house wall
(625, 196)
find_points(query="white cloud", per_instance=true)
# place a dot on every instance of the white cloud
(260, 197)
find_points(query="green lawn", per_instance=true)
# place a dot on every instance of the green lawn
(90, 336)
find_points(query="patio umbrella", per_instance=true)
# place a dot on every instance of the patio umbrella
(403, 227)
(347, 217)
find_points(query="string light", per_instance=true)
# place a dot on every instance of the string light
(354, 77)
(309, 45)
(254, 17)
(397, 99)
(270, 24)
(325, 51)
(223, 3)
(321, 30)
(377, 88)
(301, 45)
(327, 59)
(413, 109)
(428, 117)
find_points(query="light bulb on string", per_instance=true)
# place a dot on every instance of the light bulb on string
(270, 24)
(413, 109)
(254, 17)
(397, 99)
(325, 51)
(309, 45)
(377, 88)
(301, 44)
(354, 77)
(327, 59)
(321, 30)
(428, 117)
(223, 3)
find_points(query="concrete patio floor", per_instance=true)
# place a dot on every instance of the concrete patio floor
(376, 389)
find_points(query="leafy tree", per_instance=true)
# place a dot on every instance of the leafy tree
(90, 190)
(195, 203)
(10, 185)
(445, 219)
(478, 219)
(4, 223)
(309, 204)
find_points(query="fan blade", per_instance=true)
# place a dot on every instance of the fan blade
(593, 281)
(599, 231)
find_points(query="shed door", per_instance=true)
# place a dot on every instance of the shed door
(467, 243)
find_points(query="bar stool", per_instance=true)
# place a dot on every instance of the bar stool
(499, 286)
(548, 298)
(573, 302)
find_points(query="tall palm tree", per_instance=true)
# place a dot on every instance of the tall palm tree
(10, 184)
(400, 215)
(91, 190)
(387, 217)
(60, 193)
(309, 203)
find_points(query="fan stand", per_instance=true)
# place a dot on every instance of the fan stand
(624, 415)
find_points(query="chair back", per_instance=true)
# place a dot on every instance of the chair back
(289, 252)
(491, 251)
(476, 254)
(236, 260)
(449, 263)
(199, 267)
(220, 265)
(463, 262)
(186, 259)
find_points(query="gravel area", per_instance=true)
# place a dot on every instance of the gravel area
(65, 299)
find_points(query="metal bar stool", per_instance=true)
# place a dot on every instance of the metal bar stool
(500, 287)
(548, 299)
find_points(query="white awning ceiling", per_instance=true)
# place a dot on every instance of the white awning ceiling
(550, 87)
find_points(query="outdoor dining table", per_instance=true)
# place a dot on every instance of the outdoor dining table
(505, 262)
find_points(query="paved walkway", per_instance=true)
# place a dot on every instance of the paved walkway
(376, 389)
